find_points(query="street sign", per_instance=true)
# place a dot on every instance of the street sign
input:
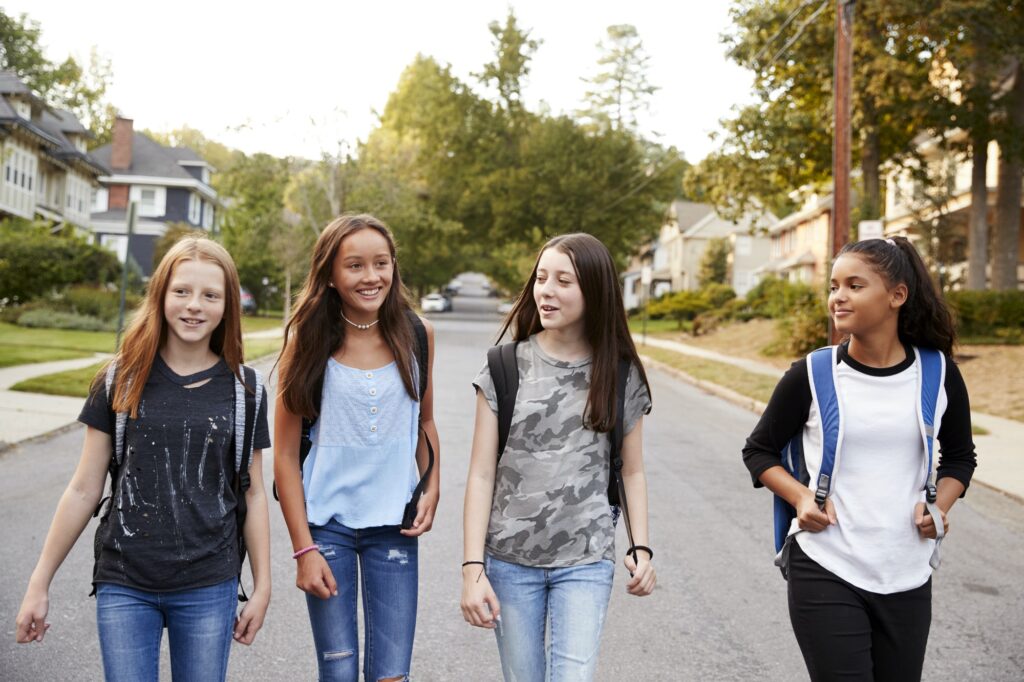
(870, 229)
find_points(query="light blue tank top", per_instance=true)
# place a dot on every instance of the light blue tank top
(361, 470)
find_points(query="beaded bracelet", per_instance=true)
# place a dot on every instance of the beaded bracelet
(304, 550)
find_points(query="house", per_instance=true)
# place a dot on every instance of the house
(674, 257)
(48, 173)
(799, 242)
(168, 184)
(910, 201)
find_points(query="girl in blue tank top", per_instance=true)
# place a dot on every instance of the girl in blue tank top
(349, 365)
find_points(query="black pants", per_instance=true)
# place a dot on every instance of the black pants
(846, 633)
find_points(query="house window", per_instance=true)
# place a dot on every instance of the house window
(207, 215)
(23, 109)
(743, 245)
(147, 200)
(99, 199)
(206, 176)
(117, 243)
(194, 205)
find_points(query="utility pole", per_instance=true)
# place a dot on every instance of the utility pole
(842, 76)
(132, 210)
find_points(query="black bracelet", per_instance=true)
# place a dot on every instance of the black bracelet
(632, 550)
(470, 563)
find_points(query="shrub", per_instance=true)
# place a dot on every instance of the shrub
(998, 314)
(775, 298)
(680, 306)
(55, 319)
(34, 262)
(101, 303)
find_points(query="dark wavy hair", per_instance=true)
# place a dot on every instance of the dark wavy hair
(605, 324)
(316, 330)
(924, 319)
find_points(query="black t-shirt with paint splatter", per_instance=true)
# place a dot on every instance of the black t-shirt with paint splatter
(171, 524)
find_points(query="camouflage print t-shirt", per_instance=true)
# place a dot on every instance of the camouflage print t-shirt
(550, 504)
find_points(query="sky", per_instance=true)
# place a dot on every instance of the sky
(297, 78)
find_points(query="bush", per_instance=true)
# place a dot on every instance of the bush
(680, 306)
(998, 314)
(55, 319)
(101, 303)
(34, 262)
(775, 298)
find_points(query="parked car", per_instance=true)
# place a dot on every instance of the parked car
(435, 303)
(248, 302)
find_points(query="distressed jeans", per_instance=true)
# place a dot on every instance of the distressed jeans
(199, 625)
(551, 619)
(387, 562)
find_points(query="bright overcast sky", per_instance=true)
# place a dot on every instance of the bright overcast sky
(257, 75)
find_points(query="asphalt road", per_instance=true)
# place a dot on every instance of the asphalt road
(719, 612)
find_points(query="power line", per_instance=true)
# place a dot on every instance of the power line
(800, 32)
(792, 15)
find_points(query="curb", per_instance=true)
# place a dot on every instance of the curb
(6, 447)
(755, 406)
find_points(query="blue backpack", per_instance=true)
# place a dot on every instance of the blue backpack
(821, 369)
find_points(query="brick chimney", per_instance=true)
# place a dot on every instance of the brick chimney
(121, 151)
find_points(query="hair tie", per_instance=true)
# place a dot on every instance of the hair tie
(889, 241)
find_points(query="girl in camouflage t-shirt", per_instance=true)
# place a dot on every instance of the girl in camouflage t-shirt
(539, 530)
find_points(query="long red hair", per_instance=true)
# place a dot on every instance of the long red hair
(147, 331)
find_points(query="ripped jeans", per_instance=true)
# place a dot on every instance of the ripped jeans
(389, 567)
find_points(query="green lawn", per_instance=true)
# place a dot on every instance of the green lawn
(21, 345)
(257, 324)
(76, 382)
(636, 325)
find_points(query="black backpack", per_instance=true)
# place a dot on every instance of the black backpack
(248, 394)
(423, 360)
(504, 370)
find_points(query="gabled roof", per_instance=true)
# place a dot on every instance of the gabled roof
(688, 213)
(821, 205)
(150, 159)
(713, 226)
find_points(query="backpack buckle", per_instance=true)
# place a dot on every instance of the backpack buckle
(822, 492)
(930, 493)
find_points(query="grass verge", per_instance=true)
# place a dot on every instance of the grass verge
(756, 386)
(251, 323)
(22, 345)
(76, 382)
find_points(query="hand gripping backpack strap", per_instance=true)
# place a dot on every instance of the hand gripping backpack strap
(504, 369)
(615, 453)
(423, 375)
(248, 395)
(821, 369)
(931, 377)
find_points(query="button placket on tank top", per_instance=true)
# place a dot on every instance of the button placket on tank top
(371, 391)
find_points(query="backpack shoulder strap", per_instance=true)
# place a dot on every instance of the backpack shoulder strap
(422, 352)
(120, 418)
(932, 376)
(504, 370)
(249, 393)
(821, 368)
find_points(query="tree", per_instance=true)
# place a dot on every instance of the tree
(621, 90)
(175, 233)
(255, 186)
(513, 49)
(65, 85)
(1006, 235)
(218, 155)
(714, 264)
(782, 137)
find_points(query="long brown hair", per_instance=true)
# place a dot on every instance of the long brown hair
(924, 318)
(605, 325)
(147, 331)
(316, 330)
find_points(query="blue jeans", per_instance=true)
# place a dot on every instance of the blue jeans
(199, 626)
(390, 576)
(567, 605)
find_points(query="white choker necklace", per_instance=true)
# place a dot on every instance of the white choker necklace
(357, 325)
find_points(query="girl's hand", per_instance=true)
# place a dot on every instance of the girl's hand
(425, 509)
(644, 578)
(810, 518)
(315, 576)
(480, 605)
(31, 625)
(250, 620)
(925, 522)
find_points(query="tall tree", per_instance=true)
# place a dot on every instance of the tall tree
(1006, 235)
(788, 44)
(65, 85)
(620, 90)
(714, 264)
(513, 50)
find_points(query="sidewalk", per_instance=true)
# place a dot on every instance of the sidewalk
(26, 415)
(1000, 452)
(30, 415)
